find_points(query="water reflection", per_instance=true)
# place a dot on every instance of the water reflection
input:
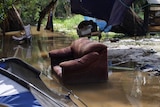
(36, 52)
(140, 89)
(123, 89)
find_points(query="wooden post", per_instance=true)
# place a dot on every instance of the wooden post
(42, 14)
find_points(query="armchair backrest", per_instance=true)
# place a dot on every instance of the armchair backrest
(83, 46)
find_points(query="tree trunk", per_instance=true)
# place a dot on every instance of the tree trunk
(49, 25)
(46, 10)
(13, 22)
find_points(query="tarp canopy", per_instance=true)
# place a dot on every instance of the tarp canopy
(112, 11)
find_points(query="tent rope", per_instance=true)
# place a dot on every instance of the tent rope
(124, 4)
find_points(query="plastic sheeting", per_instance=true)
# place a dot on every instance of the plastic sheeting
(13, 94)
(20, 85)
(112, 11)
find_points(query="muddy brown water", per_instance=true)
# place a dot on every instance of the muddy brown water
(124, 88)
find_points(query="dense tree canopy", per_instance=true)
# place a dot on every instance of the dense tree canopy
(29, 9)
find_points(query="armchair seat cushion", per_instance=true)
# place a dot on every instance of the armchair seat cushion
(79, 63)
(84, 61)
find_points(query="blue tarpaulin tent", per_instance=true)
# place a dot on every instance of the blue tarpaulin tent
(112, 11)
(102, 24)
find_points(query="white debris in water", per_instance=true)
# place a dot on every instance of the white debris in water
(144, 51)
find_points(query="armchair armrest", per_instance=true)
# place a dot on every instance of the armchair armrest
(59, 55)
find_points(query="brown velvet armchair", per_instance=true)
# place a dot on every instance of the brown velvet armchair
(84, 61)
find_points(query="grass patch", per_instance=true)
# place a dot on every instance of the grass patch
(69, 25)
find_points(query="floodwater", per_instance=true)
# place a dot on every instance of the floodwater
(124, 88)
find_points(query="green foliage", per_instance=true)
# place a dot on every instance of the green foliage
(139, 6)
(2, 13)
(62, 9)
(30, 10)
(4, 6)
